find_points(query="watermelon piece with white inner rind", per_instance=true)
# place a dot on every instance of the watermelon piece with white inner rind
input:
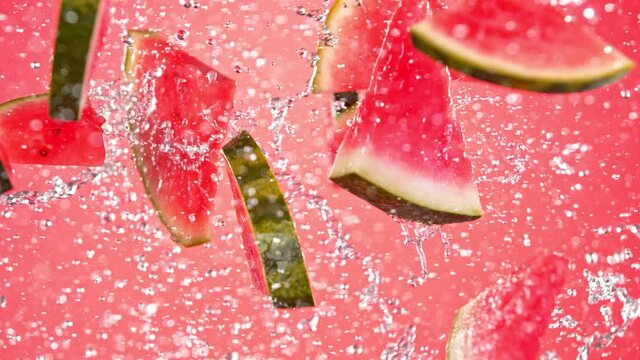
(179, 125)
(347, 54)
(82, 25)
(269, 235)
(30, 136)
(405, 152)
(521, 44)
(508, 320)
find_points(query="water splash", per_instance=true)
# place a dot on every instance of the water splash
(605, 287)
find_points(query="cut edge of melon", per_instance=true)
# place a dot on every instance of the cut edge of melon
(322, 81)
(457, 340)
(277, 302)
(457, 55)
(398, 192)
(178, 236)
(129, 50)
(6, 106)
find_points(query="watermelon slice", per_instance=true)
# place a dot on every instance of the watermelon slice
(5, 170)
(177, 132)
(405, 153)
(521, 44)
(356, 29)
(81, 28)
(30, 136)
(508, 320)
(269, 235)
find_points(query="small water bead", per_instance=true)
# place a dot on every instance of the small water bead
(182, 35)
(625, 93)
(34, 65)
(300, 10)
(354, 350)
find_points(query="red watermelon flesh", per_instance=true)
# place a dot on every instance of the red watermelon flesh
(405, 153)
(357, 29)
(30, 136)
(178, 133)
(508, 320)
(523, 44)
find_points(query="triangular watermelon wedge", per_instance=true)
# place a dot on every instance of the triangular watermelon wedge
(529, 45)
(405, 153)
(508, 320)
(177, 132)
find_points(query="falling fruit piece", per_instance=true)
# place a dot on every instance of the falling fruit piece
(269, 234)
(508, 320)
(405, 152)
(177, 132)
(521, 44)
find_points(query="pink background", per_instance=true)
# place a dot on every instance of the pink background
(95, 274)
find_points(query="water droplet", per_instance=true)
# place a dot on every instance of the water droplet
(182, 35)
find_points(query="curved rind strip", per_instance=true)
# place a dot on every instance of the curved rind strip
(80, 28)
(268, 226)
(397, 192)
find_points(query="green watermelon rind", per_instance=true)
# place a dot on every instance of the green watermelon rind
(456, 55)
(5, 182)
(256, 174)
(72, 56)
(177, 235)
(351, 105)
(18, 101)
(371, 179)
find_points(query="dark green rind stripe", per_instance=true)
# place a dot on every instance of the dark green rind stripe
(271, 222)
(344, 107)
(5, 183)
(395, 205)
(177, 235)
(73, 42)
(422, 41)
(19, 101)
(345, 101)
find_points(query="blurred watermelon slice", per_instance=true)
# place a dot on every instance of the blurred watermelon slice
(405, 153)
(522, 44)
(269, 234)
(30, 136)
(82, 25)
(508, 320)
(177, 132)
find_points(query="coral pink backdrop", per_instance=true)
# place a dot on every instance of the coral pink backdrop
(92, 273)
